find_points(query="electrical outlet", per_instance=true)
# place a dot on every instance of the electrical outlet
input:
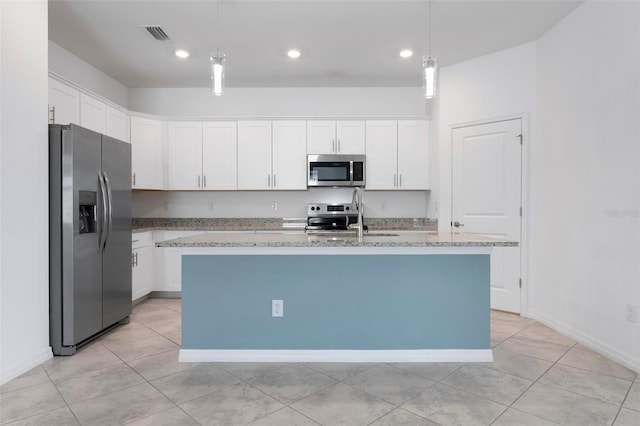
(277, 308)
(632, 314)
(274, 206)
(165, 205)
(211, 206)
(383, 205)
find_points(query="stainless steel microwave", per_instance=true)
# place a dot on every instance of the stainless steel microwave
(335, 170)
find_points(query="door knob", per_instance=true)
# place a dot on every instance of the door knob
(457, 224)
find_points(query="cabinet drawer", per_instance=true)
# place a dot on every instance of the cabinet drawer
(141, 239)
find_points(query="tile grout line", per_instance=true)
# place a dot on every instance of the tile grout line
(623, 401)
(66, 404)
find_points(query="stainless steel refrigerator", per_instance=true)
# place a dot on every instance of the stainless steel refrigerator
(89, 235)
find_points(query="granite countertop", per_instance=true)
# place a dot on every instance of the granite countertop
(341, 239)
(268, 224)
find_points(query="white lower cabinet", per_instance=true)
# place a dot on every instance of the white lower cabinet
(168, 261)
(141, 264)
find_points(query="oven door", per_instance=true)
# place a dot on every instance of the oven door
(337, 223)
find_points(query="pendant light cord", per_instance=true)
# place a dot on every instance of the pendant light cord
(430, 28)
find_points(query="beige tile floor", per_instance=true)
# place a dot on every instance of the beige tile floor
(132, 376)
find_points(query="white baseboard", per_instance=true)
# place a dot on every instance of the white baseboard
(339, 355)
(25, 365)
(602, 348)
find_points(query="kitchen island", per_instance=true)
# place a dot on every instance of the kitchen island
(392, 297)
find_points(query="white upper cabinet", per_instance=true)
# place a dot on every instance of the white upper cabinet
(185, 155)
(147, 149)
(321, 137)
(289, 155)
(350, 137)
(382, 154)
(117, 125)
(397, 154)
(254, 155)
(336, 137)
(272, 155)
(413, 154)
(202, 156)
(219, 155)
(93, 113)
(64, 103)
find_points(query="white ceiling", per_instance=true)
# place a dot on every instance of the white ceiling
(343, 43)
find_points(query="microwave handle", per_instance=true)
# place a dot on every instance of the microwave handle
(351, 171)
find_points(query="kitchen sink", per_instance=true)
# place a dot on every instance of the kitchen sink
(334, 234)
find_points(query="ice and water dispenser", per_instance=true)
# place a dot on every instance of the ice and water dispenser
(87, 201)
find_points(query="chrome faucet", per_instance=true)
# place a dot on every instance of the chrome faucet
(356, 202)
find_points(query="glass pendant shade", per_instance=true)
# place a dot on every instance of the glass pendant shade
(217, 74)
(430, 77)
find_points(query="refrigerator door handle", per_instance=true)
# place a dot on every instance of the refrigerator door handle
(103, 230)
(110, 209)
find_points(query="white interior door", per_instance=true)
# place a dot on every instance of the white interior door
(486, 186)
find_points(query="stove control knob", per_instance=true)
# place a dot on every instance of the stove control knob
(318, 208)
(312, 208)
(347, 208)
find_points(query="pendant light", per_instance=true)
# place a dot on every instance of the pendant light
(430, 68)
(217, 73)
(217, 63)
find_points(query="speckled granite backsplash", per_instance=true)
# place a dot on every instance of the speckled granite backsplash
(268, 224)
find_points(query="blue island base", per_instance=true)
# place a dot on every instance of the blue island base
(337, 308)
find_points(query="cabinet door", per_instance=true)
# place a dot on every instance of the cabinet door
(382, 154)
(142, 272)
(321, 137)
(289, 155)
(185, 155)
(93, 113)
(350, 137)
(254, 155)
(66, 101)
(219, 156)
(169, 260)
(117, 125)
(413, 154)
(146, 153)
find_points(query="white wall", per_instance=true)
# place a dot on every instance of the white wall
(283, 102)
(585, 178)
(485, 88)
(67, 65)
(24, 239)
(290, 204)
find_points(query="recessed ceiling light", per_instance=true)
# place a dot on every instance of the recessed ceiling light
(406, 53)
(182, 54)
(293, 53)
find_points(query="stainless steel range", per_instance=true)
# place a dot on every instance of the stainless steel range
(331, 217)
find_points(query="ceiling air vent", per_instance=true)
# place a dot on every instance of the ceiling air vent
(157, 33)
